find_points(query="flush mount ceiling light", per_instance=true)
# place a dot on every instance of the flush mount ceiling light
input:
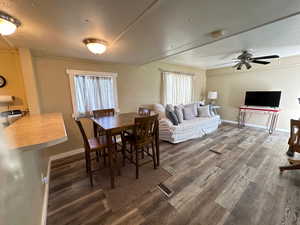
(96, 46)
(8, 24)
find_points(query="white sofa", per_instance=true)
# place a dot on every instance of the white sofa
(188, 129)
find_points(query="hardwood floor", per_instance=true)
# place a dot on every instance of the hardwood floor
(230, 177)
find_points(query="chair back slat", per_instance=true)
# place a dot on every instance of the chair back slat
(145, 128)
(84, 137)
(103, 112)
(144, 111)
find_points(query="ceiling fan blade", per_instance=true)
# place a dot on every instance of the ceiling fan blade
(260, 62)
(236, 65)
(267, 57)
(221, 65)
(248, 66)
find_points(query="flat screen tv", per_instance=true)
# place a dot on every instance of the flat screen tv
(263, 98)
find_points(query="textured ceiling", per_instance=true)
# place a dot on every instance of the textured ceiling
(281, 38)
(4, 45)
(139, 31)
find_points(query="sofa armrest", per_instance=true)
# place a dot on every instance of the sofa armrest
(166, 124)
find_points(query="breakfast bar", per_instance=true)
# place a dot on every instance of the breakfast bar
(36, 132)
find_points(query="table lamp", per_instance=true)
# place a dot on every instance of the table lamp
(212, 96)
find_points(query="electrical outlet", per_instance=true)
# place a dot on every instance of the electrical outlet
(44, 179)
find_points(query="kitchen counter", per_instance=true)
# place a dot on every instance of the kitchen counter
(36, 131)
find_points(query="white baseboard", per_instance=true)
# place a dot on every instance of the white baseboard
(255, 125)
(46, 193)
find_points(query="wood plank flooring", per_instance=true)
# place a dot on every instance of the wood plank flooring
(230, 177)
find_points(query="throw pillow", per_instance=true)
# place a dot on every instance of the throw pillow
(193, 108)
(200, 103)
(204, 111)
(160, 109)
(211, 111)
(170, 114)
(179, 113)
(188, 113)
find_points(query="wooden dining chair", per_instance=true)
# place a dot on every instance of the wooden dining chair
(99, 132)
(144, 111)
(143, 135)
(294, 145)
(101, 113)
(91, 145)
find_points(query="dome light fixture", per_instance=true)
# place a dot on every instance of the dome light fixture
(8, 24)
(96, 46)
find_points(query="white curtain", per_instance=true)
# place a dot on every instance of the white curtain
(93, 92)
(177, 88)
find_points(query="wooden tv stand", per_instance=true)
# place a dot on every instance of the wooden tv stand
(272, 113)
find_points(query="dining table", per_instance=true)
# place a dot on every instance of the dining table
(116, 124)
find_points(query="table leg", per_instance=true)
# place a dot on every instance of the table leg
(110, 159)
(157, 146)
(95, 129)
(239, 119)
(242, 119)
(273, 123)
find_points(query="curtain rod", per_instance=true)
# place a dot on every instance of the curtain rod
(180, 72)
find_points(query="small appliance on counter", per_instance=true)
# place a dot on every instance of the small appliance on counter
(10, 116)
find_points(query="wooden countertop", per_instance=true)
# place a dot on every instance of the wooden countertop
(36, 131)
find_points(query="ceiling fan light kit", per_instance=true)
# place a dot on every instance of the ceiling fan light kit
(8, 24)
(246, 58)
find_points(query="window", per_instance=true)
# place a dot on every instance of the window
(177, 88)
(92, 90)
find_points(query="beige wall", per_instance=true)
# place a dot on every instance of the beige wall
(283, 75)
(10, 68)
(29, 80)
(137, 85)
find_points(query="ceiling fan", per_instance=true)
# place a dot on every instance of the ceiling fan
(246, 58)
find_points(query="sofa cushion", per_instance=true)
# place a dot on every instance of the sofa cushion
(204, 111)
(170, 114)
(179, 112)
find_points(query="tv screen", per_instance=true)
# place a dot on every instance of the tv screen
(263, 98)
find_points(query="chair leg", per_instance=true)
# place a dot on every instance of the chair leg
(86, 162)
(116, 162)
(143, 154)
(97, 156)
(153, 155)
(131, 152)
(104, 156)
(292, 167)
(123, 150)
(136, 163)
(90, 168)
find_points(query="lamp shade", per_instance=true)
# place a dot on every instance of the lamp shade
(212, 95)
